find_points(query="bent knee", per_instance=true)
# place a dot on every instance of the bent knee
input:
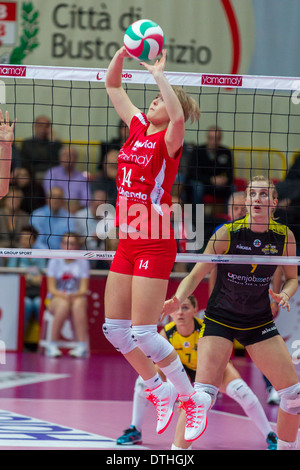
(290, 399)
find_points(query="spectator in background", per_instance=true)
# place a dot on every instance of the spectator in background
(66, 176)
(33, 274)
(179, 219)
(33, 192)
(12, 218)
(15, 157)
(108, 180)
(289, 201)
(52, 221)
(86, 221)
(67, 284)
(40, 152)
(289, 189)
(211, 169)
(114, 144)
(236, 208)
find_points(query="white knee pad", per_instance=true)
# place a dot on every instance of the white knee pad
(153, 345)
(211, 390)
(290, 399)
(119, 334)
(239, 391)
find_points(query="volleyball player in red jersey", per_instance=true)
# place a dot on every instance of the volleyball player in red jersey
(6, 139)
(137, 282)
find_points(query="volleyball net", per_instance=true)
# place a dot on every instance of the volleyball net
(66, 123)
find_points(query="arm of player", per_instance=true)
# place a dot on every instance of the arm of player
(216, 245)
(6, 139)
(176, 128)
(290, 285)
(119, 98)
(277, 282)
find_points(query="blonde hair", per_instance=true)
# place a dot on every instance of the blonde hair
(190, 108)
(271, 185)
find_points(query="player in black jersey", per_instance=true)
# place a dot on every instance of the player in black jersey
(183, 333)
(239, 308)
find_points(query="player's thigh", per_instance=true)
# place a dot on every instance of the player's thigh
(274, 361)
(148, 297)
(212, 359)
(117, 298)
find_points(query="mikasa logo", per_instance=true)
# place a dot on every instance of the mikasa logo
(242, 247)
(147, 145)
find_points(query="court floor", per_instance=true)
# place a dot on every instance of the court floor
(82, 404)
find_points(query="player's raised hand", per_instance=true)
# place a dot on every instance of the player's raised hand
(170, 306)
(124, 53)
(6, 129)
(159, 64)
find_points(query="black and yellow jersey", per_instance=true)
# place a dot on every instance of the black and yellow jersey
(240, 297)
(186, 346)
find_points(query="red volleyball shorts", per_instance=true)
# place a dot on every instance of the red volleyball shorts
(145, 258)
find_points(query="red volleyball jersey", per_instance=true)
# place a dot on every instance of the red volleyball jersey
(145, 177)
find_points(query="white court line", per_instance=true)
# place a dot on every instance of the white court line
(10, 379)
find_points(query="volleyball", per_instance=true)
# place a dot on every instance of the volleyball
(144, 40)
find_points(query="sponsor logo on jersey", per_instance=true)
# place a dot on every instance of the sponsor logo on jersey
(147, 144)
(242, 247)
(134, 195)
(142, 160)
(248, 279)
(269, 249)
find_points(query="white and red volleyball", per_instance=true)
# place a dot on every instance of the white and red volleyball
(144, 40)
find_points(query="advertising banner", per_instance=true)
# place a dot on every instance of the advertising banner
(11, 313)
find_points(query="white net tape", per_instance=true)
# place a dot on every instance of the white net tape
(282, 126)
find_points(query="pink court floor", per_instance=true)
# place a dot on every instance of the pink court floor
(85, 404)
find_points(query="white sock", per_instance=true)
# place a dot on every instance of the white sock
(140, 404)
(239, 391)
(153, 382)
(180, 448)
(176, 373)
(283, 445)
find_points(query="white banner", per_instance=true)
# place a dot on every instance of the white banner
(9, 311)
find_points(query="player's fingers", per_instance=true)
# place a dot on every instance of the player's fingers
(13, 124)
(274, 296)
(7, 117)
